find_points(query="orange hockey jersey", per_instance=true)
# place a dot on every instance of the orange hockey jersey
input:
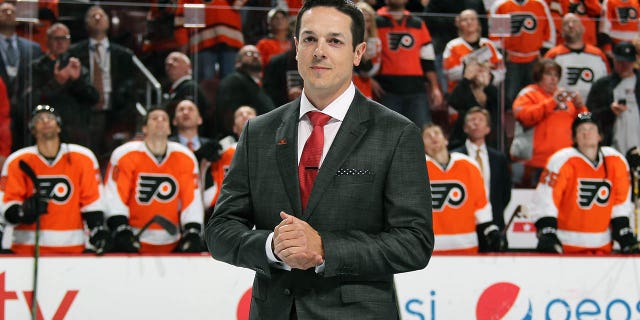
(537, 110)
(620, 19)
(588, 10)
(223, 26)
(531, 29)
(215, 174)
(459, 202)
(73, 184)
(584, 197)
(453, 61)
(139, 187)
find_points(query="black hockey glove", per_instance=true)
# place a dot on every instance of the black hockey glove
(100, 239)
(622, 233)
(492, 237)
(123, 238)
(27, 213)
(210, 151)
(548, 241)
(633, 158)
(191, 241)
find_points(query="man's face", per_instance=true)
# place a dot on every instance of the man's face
(468, 22)
(176, 67)
(587, 135)
(97, 21)
(45, 126)
(58, 41)
(434, 140)
(572, 28)
(240, 118)
(476, 126)
(7, 15)
(623, 68)
(250, 59)
(279, 21)
(324, 51)
(157, 124)
(187, 115)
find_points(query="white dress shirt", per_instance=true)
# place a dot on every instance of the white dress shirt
(337, 110)
(472, 148)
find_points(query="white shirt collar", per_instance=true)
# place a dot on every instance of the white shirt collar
(472, 147)
(104, 43)
(176, 83)
(337, 109)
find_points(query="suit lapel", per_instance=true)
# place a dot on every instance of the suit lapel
(286, 141)
(351, 132)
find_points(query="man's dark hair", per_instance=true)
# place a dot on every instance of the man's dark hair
(345, 6)
(145, 119)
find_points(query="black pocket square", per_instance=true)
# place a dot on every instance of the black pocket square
(353, 172)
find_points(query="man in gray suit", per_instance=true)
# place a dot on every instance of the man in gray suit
(327, 246)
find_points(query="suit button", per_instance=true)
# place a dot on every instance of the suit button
(286, 292)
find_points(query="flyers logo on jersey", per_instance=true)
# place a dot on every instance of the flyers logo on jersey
(574, 74)
(57, 188)
(158, 186)
(450, 193)
(626, 13)
(590, 191)
(523, 22)
(397, 40)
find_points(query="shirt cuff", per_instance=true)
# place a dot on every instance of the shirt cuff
(273, 261)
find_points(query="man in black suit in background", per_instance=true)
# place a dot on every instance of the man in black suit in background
(17, 55)
(327, 197)
(178, 69)
(493, 163)
(112, 73)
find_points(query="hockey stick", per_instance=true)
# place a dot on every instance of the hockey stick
(160, 220)
(516, 213)
(36, 253)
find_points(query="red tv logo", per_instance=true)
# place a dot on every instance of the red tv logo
(61, 310)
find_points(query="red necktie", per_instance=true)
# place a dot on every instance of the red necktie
(190, 145)
(311, 155)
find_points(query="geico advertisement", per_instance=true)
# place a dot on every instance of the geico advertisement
(197, 287)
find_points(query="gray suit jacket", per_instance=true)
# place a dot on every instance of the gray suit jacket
(374, 221)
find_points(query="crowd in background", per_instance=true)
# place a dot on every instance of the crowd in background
(532, 66)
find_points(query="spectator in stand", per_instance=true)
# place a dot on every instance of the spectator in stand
(618, 23)
(493, 164)
(588, 11)
(217, 170)
(439, 19)
(581, 62)
(150, 177)
(475, 89)
(278, 41)
(242, 87)
(177, 67)
(532, 31)
(69, 196)
(61, 81)
(17, 54)
(583, 201)
(187, 121)
(282, 82)
(544, 112)
(370, 64)
(217, 44)
(407, 60)
(461, 209)
(470, 46)
(111, 68)
(615, 100)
